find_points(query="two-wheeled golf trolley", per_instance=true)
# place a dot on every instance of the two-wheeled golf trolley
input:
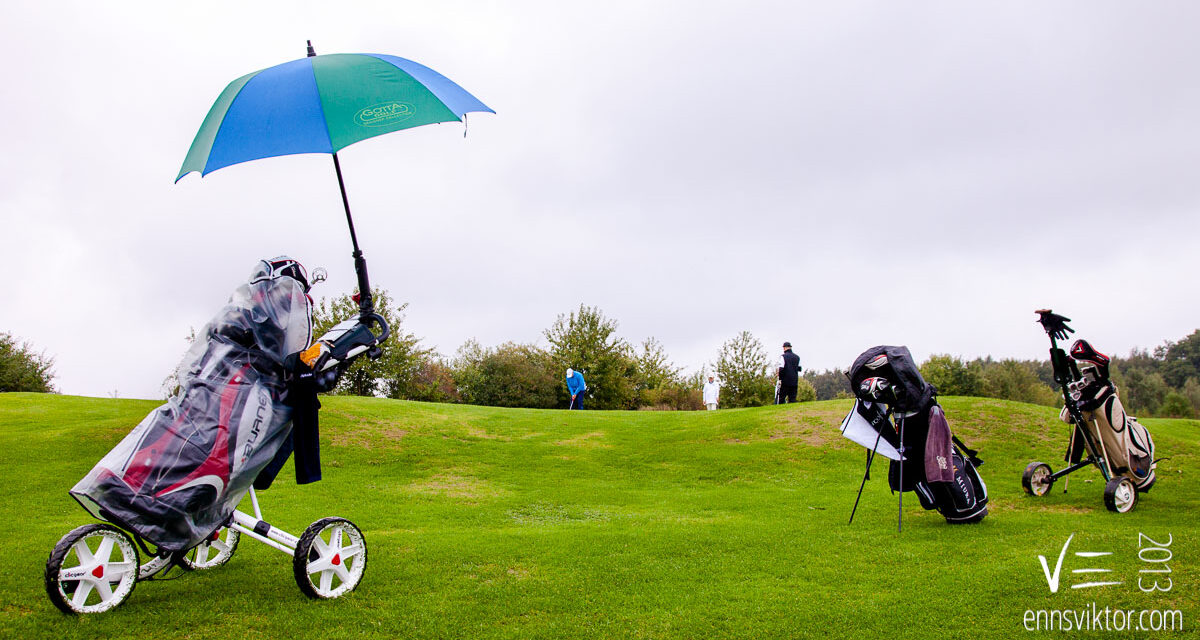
(1102, 434)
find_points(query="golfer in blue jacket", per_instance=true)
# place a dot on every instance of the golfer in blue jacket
(575, 386)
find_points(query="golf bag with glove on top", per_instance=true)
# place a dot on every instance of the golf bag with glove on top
(902, 410)
(1115, 442)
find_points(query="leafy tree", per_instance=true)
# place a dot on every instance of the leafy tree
(394, 374)
(952, 376)
(657, 381)
(1176, 405)
(827, 385)
(1180, 360)
(1191, 391)
(434, 382)
(587, 341)
(1141, 392)
(23, 369)
(511, 375)
(654, 368)
(1017, 380)
(805, 392)
(744, 370)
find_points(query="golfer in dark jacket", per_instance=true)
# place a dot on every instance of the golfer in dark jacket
(788, 373)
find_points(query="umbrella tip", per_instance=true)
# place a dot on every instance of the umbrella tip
(311, 52)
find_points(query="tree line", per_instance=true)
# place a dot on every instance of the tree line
(1164, 381)
(619, 374)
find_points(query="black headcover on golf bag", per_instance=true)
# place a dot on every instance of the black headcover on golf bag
(937, 466)
(178, 475)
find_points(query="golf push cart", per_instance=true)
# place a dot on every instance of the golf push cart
(168, 492)
(1115, 442)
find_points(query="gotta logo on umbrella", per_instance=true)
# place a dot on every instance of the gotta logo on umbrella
(382, 115)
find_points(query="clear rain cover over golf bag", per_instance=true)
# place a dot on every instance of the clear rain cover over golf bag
(178, 476)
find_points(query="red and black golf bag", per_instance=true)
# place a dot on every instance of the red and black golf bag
(179, 475)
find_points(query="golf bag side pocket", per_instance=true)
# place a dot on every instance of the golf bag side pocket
(965, 499)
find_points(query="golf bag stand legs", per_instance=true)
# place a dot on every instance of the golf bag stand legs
(900, 514)
(866, 474)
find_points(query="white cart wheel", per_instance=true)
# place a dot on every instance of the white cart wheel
(213, 552)
(1120, 495)
(1037, 479)
(92, 569)
(330, 558)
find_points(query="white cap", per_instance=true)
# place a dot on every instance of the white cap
(570, 372)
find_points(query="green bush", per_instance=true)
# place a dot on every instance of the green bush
(952, 376)
(22, 369)
(1176, 405)
(1017, 380)
(511, 375)
(744, 371)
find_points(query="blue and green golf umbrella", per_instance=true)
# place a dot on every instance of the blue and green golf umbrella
(322, 104)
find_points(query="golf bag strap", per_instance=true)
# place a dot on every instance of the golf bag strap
(971, 454)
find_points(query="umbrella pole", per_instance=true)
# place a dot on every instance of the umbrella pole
(365, 304)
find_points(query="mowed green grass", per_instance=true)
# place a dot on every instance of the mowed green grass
(485, 523)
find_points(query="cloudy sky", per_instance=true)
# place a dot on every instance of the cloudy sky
(835, 174)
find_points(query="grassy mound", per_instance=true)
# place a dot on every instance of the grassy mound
(487, 522)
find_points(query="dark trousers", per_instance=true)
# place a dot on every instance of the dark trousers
(786, 394)
(577, 403)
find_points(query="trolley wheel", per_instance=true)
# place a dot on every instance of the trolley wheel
(1120, 495)
(1037, 479)
(330, 558)
(92, 569)
(215, 551)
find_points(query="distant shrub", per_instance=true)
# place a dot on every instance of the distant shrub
(511, 375)
(1017, 380)
(743, 369)
(1176, 405)
(23, 369)
(805, 392)
(672, 398)
(952, 376)
(828, 384)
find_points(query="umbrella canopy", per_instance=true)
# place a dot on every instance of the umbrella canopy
(321, 104)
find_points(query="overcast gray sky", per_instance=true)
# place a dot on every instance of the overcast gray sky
(835, 174)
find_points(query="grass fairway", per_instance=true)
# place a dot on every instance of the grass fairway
(487, 523)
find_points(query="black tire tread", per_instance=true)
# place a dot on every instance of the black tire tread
(59, 554)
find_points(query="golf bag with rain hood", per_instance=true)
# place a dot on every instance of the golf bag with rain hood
(179, 474)
(247, 401)
(897, 406)
(1112, 440)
